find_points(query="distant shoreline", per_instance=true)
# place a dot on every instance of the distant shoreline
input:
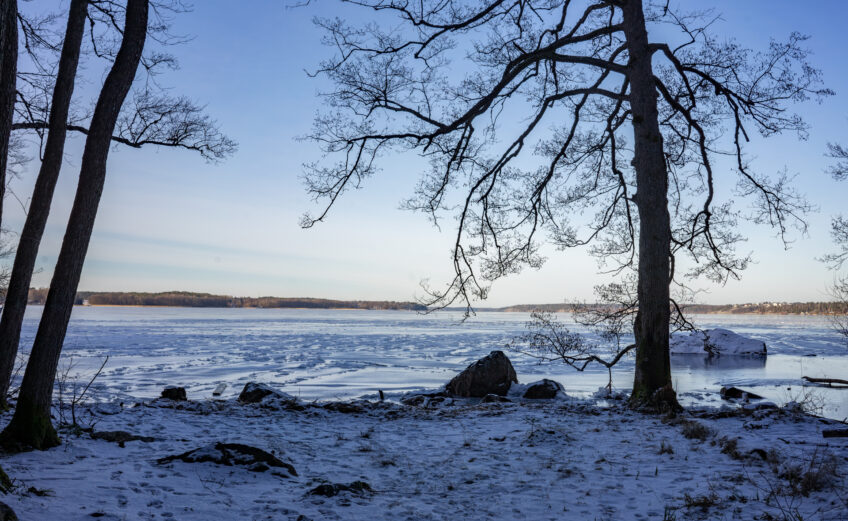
(208, 300)
(187, 299)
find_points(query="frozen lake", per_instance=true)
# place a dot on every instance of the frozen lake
(336, 354)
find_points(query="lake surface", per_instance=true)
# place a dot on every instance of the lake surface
(337, 354)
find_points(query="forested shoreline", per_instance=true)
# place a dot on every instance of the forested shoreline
(207, 300)
(38, 296)
(759, 308)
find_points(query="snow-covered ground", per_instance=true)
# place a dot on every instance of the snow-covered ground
(570, 458)
(525, 460)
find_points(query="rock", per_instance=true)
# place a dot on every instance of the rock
(230, 454)
(734, 393)
(119, 437)
(257, 393)
(344, 407)
(494, 398)
(760, 453)
(6, 513)
(543, 390)
(330, 490)
(759, 405)
(427, 400)
(715, 342)
(178, 394)
(492, 374)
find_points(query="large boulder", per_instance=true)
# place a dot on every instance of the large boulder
(232, 454)
(716, 342)
(543, 390)
(492, 374)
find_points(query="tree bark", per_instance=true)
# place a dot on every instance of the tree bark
(42, 196)
(30, 425)
(8, 81)
(652, 379)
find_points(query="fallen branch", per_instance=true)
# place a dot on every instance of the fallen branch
(841, 384)
(835, 433)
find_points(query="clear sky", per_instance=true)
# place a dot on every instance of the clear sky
(170, 221)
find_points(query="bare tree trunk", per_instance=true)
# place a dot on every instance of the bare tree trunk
(652, 379)
(42, 196)
(30, 426)
(8, 77)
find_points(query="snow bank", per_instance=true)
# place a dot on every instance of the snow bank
(716, 342)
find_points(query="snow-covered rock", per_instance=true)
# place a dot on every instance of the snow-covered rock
(605, 393)
(427, 400)
(716, 342)
(734, 393)
(255, 393)
(543, 389)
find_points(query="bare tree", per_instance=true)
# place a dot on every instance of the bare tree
(839, 233)
(839, 320)
(31, 425)
(150, 119)
(8, 77)
(536, 112)
(838, 224)
(610, 318)
(549, 339)
(48, 174)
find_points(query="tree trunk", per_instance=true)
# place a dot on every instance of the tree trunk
(42, 196)
(652, 379)
(30, 426)
(8, 81)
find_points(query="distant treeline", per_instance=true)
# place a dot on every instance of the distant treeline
(776, 308)
(207, 300)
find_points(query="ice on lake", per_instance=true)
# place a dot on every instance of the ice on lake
(339, 354)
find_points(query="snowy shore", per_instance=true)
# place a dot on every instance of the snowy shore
(461, 459)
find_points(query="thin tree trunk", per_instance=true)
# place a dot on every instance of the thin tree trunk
(652, 379)
(42, 196)
(30, 425)
(8, 80)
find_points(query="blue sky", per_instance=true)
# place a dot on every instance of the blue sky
(168, 220)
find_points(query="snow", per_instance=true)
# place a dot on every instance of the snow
(716, 342)
(530, 459)
(581, 455)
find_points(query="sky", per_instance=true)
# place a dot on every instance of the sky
(170, 221)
